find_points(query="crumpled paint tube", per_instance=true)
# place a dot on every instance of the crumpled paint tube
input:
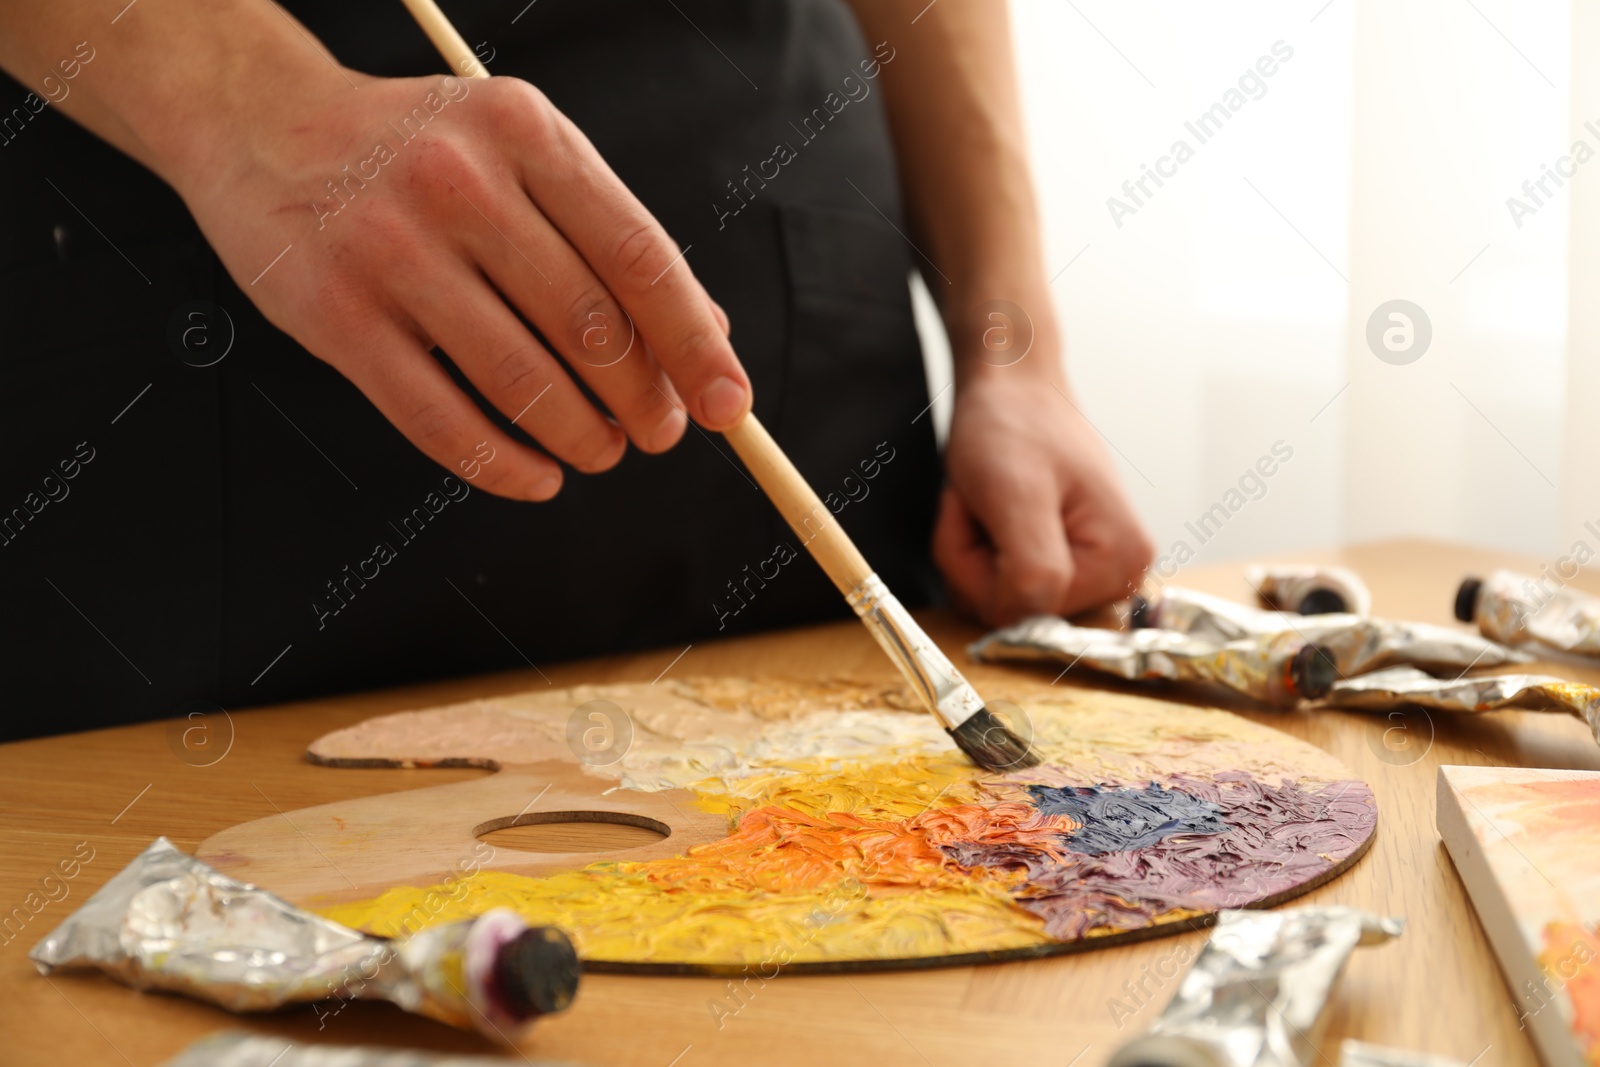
(1280, 668)
(1308, 590)
(1358, 643)
(1360, 1054)
(1258, 992)
(1210, 618)
(169, 922)
(1400, 687)
(1514, 608)
(250, 1050)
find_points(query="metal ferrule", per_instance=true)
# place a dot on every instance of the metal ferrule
(948, 695)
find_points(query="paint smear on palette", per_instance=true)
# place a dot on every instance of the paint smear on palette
(861, 836)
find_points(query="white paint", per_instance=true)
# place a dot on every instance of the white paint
(655, 762)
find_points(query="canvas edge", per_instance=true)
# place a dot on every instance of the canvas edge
(1519, 965)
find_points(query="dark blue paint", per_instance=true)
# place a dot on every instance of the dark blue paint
(1116, 820)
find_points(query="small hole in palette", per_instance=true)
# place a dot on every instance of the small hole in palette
(572, 831)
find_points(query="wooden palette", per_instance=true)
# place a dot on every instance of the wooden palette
(771, 795)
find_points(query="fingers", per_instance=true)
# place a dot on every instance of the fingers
(1033, 566)
(963, 555)
(414, 393)
(1101, 574)
(539, 272)
(1110, 549)
(633, 257)
(1023, 559)
(513, 370)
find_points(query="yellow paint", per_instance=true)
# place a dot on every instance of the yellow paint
(897, 790)
(836, 856)
(785, 887)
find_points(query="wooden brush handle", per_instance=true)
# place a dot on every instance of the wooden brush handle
(806, 515)
(437, 26)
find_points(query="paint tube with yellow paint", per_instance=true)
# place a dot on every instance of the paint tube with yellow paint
(1358, 643)
(170, 922)
(1402, 687)
(1514, 608)
(1258, 993)
(1279, 668)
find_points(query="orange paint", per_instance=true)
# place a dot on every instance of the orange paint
(1571, 961)
(851, 854)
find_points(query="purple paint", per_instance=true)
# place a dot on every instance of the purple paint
(1276, 838)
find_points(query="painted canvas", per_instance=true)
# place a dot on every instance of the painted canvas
(1526, 843)
(837, 825)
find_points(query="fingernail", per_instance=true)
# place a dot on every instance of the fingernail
(723, 401)
(665, 435)
(609, 458)
(545, 488)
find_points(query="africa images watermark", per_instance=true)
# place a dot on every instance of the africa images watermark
(810, 128)
(52, 489)
(342, 188)
(1139, 993)
(853, 890)
(352, 981)
(1564, 971)
(1537, 190)
(1203, 128)
(56, 89)
(53, 888)
(854, 490)
(1252, 485)
(350, 581)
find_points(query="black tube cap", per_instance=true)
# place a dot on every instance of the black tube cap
(1322, 602)
(1141, 613)
(536, 972)
(1313, 672)
(1467, 598)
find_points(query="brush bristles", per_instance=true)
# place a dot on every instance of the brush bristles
(989, 743)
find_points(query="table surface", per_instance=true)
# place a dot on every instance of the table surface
(1436, 989)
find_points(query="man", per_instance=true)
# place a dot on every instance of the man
(337, 347)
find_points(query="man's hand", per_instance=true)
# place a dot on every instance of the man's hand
(1033, 519)
(421, 212)
(373, 219)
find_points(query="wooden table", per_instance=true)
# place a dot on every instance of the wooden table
(1436, 989)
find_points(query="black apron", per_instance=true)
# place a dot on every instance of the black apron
(254, 531)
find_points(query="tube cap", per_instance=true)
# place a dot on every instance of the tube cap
(1313, 672)
(1467, 598)
(1322, 602)
(536, 972)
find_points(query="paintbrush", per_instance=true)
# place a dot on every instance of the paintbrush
(958, 707)
(960, 710)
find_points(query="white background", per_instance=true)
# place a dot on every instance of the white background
(1230, 311)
